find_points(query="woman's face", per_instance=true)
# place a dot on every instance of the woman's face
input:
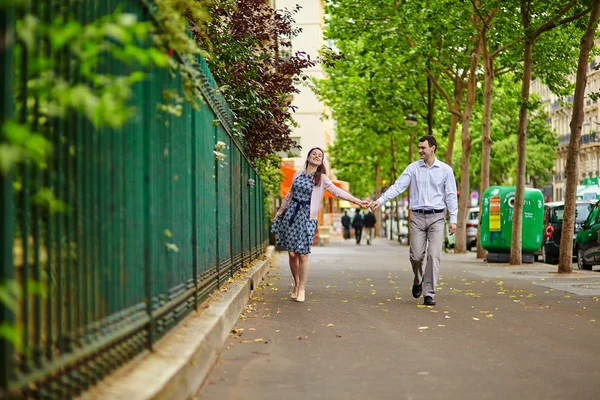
(315, 157)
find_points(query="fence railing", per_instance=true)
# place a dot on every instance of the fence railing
(151, 224)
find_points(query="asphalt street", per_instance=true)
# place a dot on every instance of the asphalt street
(497, 332)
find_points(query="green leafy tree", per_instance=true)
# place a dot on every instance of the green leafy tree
(587, 42)
(542, 25)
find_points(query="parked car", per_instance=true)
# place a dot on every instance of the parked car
(472, 227)
(587, 242)
(553, 219)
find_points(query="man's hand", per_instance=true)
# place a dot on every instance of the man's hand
(452, 228)
(374, 205)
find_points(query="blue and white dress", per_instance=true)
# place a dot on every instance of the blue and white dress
(294, 228)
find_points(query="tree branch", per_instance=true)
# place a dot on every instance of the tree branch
(375, 19)
(478, 12)
(551, 24)
(440, 89)
(506, 46)
(503, 70)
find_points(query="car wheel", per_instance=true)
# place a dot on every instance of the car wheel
(581, 264)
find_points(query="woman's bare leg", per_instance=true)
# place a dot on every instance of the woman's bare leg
(303, 275)
(294, 267)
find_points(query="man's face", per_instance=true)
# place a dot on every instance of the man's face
(425, 151)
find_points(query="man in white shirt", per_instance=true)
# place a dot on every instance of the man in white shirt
(432, 190)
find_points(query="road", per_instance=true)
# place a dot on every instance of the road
(497, 332)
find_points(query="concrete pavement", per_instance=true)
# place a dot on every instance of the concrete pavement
(496, 332)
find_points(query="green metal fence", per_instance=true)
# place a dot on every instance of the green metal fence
(154, 222)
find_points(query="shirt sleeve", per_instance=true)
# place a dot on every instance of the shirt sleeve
(337, 192)
(451, 199)
(398, 187)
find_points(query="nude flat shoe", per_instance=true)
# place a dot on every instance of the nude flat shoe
(301, 295)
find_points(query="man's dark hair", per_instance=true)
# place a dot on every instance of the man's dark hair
(429, 139)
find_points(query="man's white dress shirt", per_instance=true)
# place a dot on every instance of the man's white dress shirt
(431, 188)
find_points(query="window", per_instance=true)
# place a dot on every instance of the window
(295, 151)
(593, 217)
(582, 211)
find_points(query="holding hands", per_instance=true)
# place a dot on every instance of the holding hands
(364, 203)
(372, 205)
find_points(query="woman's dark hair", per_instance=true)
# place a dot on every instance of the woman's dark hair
(321, 170)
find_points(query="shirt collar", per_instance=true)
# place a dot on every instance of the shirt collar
(436, 163)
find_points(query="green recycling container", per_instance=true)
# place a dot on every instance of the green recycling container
(495, 231)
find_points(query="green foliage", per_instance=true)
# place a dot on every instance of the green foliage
(21, 144)
(376, 67)
(541, 142)
(101, 98)
(270, 174)
(10, 297)
(175, 38)
(256, 70)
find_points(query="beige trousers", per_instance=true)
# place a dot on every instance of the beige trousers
(426, 236)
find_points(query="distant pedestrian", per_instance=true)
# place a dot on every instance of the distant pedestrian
(357, 224)
(346, 225)
(369, 221)
(432, 190)
(296, 221)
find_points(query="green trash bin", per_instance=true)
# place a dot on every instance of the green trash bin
(495, 231)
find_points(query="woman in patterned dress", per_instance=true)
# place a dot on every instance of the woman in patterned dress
(296, 221)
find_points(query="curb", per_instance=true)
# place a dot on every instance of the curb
(184, 357)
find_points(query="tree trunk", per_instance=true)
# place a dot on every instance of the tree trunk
(459, 88)
(460, 244)
(565, 261)
(378, 195)
(516, 243)
(394, 177)
(410, 160)
(486, 139)
(430, 108)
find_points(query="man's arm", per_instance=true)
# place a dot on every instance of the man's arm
(451, 199)
(398, 187)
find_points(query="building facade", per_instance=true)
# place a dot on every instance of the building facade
(313, 130)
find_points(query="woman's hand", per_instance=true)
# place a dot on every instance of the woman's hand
(364, 203)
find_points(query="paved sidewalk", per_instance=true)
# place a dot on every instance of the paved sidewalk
(497, 332)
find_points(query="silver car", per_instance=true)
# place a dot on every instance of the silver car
(472, 227)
